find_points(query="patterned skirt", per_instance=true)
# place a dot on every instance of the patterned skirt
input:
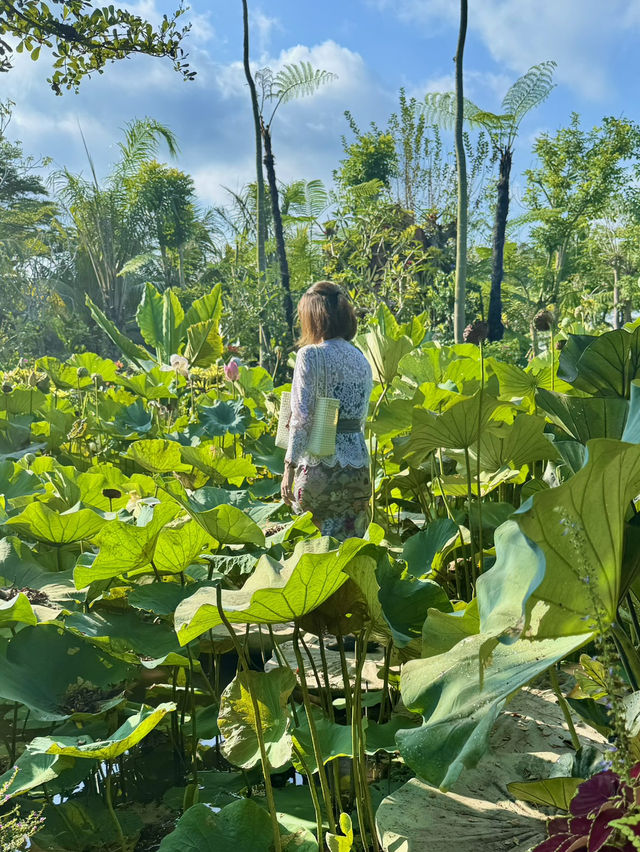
(337, 497)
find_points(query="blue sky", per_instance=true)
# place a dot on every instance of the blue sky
(374, 47)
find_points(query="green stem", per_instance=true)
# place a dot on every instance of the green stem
(264, 760)
(317, 751)
(566, 712)
(314, 796)
(194, 724)
(359, 755)
(111, 809)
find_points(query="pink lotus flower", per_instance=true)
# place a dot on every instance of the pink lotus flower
(231, 370)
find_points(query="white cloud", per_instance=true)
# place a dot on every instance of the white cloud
(581, 35)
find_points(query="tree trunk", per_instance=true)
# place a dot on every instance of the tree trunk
(496, 328)
(459, 319)
(617, 312)
(278, 232)
(261, 222)
(181, 265)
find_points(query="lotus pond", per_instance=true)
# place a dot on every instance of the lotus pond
(184, 665)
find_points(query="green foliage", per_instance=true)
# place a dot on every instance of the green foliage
(86, 38)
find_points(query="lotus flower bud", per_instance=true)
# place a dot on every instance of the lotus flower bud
(7, 387)
(231, 370)
(475, 332)
(82, 372)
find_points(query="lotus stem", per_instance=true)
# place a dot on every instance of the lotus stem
(111, 809)
(264, 759)
(313, 790)
(317, 751)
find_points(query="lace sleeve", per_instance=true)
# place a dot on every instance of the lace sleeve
(303, 397)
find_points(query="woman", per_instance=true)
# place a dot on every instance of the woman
(335, 490)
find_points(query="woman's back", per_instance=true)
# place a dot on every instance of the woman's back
(334, 368)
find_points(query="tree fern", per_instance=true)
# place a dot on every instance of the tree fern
(529, 90)
(291, 81)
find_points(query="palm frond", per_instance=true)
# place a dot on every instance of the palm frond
(142, 139)
(529, 90)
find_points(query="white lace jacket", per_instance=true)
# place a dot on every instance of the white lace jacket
(348, 380)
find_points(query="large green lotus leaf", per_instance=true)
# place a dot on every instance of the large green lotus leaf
(177, 547)
(124, 547)
(515, 444)
(212, 509)
(579, 526)
(254, 382)
(121, 633)
(632, 427)
(238, 724)
(207, 498)
(16, 482)
(224, 418)
(212, 461)
(157, 455)
(585, 418)
(162, 598)
(605, 364)
(514, 382)
(92, 484)
(136, 354)
(459, 709)
(204, 342)
(128, 735)
(573, 455)
(405, 601)
(40, 522)
(457, 428)
(242, 825)
(155, 383)
(39, 665)
(159, 316)
(63, 375)
(384, 352)
(425, 365)
(17, 610)
(394, 417)
(103, 368)
(33, 770)
(442, 630)
(420, 549)
(276, 592)
(132, 421)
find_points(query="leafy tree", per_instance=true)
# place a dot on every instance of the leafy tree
(84, 37)
(578, 174)
(167, 195)
(371, 157)
(526, 93)
(109, 220)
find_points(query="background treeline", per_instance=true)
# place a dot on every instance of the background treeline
(385, 228)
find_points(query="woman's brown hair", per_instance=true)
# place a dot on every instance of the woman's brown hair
(325, 312)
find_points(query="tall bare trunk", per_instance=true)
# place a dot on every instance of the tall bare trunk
(261, 222)
(278, 232)
(459, 319)
(617, 312)
(496, 328)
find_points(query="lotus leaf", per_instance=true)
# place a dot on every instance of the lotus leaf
(276, 592)
(40, 522)
(238, 723)
(129, 734)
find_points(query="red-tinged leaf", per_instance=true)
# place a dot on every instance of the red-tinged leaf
(594, 793)
(560, 825)
(557, 843)
(601, 831)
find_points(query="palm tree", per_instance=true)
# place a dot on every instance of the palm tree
(526, 93)
(109, 221)
(290, 82)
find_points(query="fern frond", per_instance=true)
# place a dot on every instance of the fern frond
(440, 108)
(529, 90)
(299, 80)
